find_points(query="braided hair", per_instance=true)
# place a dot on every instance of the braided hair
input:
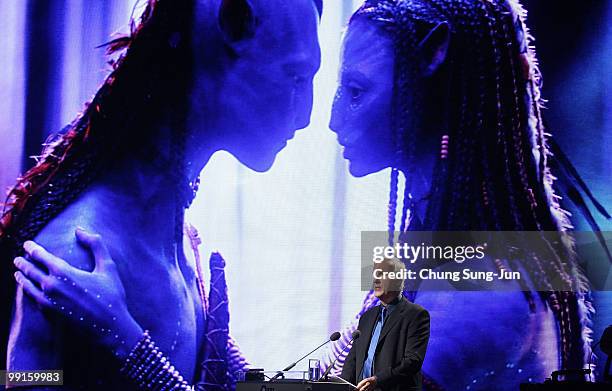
(148, 84)
(492, 172)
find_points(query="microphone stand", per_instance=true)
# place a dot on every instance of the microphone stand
(329, 368)
(290, 366)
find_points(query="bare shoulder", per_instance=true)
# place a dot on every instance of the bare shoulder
(58, 236)
(36, 336)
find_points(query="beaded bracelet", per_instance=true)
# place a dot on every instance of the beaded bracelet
(148, 368)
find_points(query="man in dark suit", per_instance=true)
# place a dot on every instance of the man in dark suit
(390, 353)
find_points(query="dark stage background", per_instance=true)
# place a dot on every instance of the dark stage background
(49, 67)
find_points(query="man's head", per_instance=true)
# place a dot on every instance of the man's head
(255, 77)
(388, 282)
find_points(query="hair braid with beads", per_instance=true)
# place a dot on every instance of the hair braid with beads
(490, 178)
(148, 85)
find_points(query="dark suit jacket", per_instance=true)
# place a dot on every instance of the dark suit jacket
(400, 350)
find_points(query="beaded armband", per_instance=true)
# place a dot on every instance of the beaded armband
(148, 368)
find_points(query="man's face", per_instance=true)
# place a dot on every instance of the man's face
(361, 114)
(267, 93)
(384, 286)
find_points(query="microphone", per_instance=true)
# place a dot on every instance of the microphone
(356, 334)
(334, 337)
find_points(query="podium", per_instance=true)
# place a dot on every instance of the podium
(291, 385)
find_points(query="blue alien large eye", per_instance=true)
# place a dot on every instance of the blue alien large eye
(355, 92)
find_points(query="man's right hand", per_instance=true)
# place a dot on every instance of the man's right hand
(367, 384)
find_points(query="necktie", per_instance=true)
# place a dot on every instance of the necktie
(369, 361)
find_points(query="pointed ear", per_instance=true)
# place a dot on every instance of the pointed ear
(236, 20)
(433, 49)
